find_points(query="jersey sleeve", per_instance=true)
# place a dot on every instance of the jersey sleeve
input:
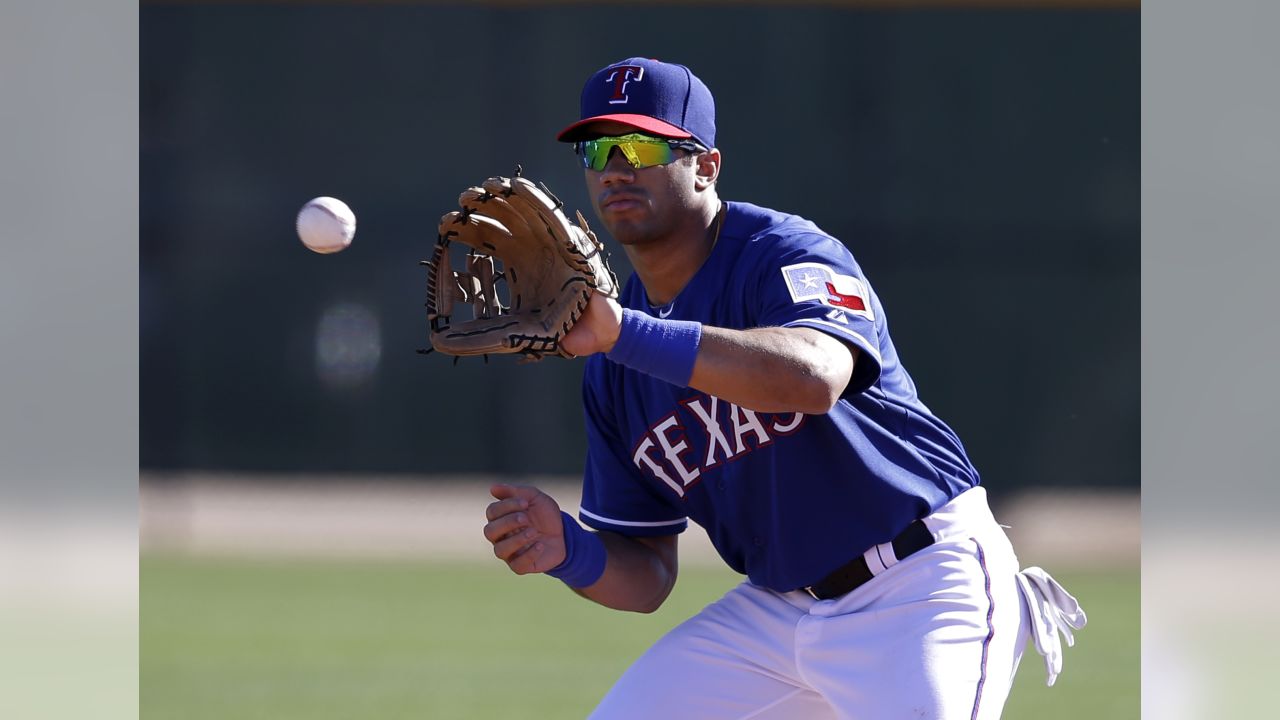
(615, 496)
(812, 280)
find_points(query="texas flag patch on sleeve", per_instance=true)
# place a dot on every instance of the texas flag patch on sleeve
(809, 281)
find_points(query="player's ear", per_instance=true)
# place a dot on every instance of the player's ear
(707, 169)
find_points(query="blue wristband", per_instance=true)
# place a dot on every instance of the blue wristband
(665, 349)
(584, 555)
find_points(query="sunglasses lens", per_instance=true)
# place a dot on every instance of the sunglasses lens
(647, 154)
(638, 150)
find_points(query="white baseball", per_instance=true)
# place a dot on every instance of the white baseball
(326, 225)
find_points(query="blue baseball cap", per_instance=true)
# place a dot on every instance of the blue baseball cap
(659, 98)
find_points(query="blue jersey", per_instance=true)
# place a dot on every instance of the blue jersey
(785, 497)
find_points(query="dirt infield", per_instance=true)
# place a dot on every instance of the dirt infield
(441, 519)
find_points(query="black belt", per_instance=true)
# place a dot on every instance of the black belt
(856, 572)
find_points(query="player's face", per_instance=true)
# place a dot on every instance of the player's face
(646, 204)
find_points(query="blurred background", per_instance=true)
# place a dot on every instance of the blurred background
(312, 488)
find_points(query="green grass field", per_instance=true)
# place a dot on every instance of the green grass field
(325, 639)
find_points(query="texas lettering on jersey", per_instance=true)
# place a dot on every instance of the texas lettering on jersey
(810, 281)
(702, 433)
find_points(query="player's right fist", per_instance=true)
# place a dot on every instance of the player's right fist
(525, 528)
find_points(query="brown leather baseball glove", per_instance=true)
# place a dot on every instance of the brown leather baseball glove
(549, 265)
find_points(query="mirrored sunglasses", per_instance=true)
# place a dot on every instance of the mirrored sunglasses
(641, 151)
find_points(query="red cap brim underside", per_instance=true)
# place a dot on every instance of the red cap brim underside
(574, 132)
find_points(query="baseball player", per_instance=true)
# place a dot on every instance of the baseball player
(746, 380)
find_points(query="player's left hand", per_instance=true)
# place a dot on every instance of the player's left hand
(597, 330)
(518, 236)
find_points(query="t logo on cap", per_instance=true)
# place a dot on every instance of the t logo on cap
(621, 75)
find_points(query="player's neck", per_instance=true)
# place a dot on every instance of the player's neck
(667, 265)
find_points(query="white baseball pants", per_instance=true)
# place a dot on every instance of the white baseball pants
(936, 636)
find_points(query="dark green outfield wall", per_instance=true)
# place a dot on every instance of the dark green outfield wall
(982, 165)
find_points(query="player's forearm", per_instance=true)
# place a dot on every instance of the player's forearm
(773, 369)
(777, 369)
(637, 577)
